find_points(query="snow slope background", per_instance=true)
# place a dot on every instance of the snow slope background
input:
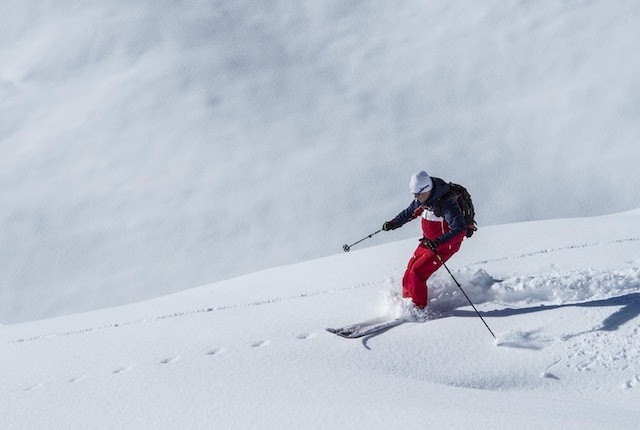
(563, 297)
(153, 146)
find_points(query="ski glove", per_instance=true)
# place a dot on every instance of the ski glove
(431, 244)
(389, 225)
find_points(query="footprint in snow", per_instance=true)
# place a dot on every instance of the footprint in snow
(121, 370)
(549, 375)
(632, 383)
(305, 336)
(215, 351)
(33, 387)
(169, 360)
(260, 343)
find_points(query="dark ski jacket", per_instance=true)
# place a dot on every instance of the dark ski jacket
(450, 226)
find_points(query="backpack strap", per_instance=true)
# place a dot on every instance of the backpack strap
(438, 206)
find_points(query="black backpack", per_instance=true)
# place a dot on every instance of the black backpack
(459, 193)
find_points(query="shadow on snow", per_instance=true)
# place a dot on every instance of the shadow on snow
(630, 309)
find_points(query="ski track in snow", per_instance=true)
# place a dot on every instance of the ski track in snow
(193, 312)
(590, 351)
(582, 353)
(304, 295)
(553, 250)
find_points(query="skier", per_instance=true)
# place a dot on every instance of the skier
(442, 233)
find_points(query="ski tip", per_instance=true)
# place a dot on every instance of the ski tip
(339, 332)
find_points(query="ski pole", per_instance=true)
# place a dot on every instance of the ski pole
(465, 294)
(347, 248)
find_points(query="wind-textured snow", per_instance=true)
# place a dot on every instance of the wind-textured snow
(252, 352)
(153, 146)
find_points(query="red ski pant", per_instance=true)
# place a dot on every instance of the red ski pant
(421, 266)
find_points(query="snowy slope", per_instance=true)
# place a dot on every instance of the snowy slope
(153, 146)
(562, 295)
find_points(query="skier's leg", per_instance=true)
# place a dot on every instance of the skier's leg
(427, 266)
(415, 278)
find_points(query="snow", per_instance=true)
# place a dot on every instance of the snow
(252, 352)
(152, 146)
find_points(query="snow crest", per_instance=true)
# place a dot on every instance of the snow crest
(552, 288)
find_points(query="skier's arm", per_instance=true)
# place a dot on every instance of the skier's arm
(410, 213)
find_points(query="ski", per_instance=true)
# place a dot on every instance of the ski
(366, 328)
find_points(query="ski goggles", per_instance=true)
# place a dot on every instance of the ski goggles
(421, 190)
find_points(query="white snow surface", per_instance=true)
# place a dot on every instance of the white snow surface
(151, 146)
(562, 296)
